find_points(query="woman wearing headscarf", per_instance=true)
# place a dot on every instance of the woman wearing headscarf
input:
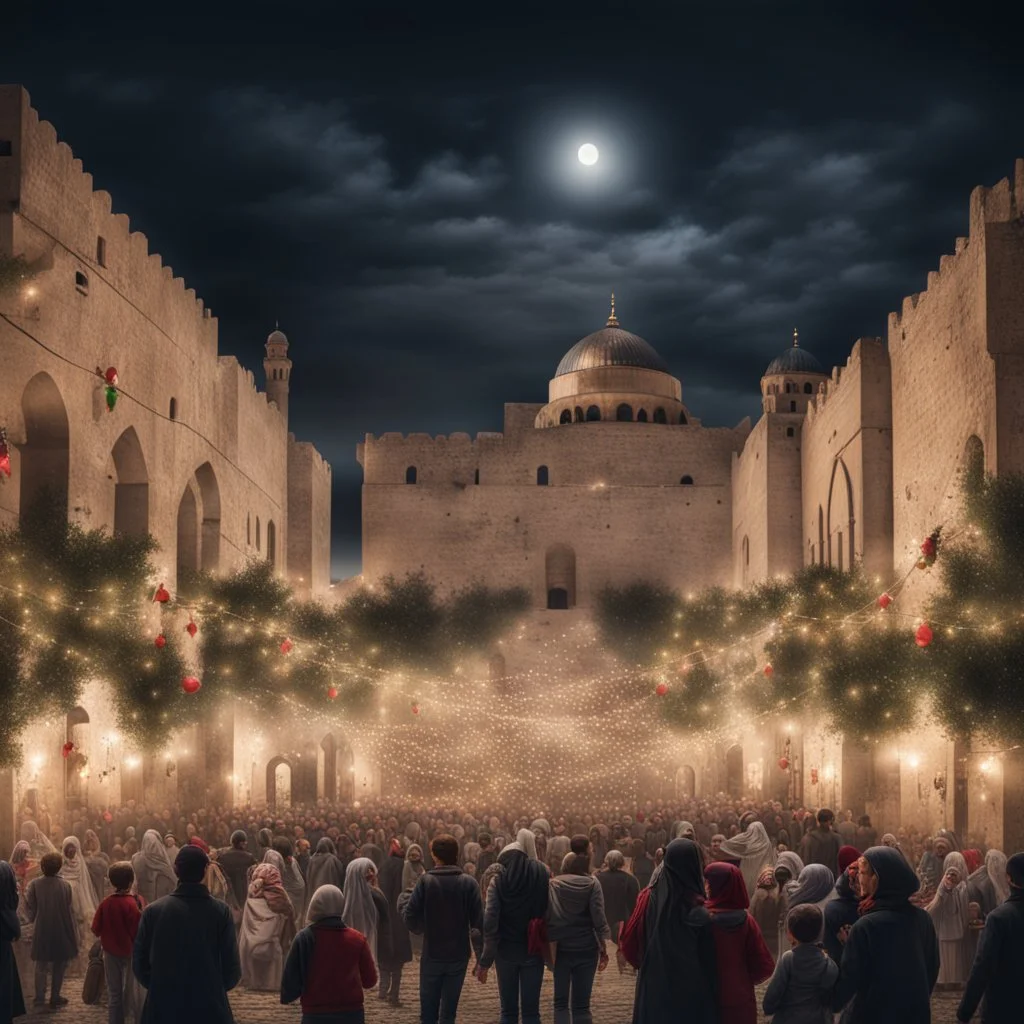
(891, 956)
(413, 867)
(329, 964)
(75, 872)
(291, 877)
(517, 902)
(324, 869)
(752, 851)
(411, 835)
(12, 1003)
(764, 908)
(366, 909)
(268, 923)
(815, 884)
(668, 939)
(37, 840)
(97, 862)
(843, 911)
(982, 887)
(949, 913)
(400, 953)
(264, 841)
(154, 873)
(742, 957)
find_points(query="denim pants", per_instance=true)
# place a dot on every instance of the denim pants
(390, 983)
(42, 969)
(120, 988)
(520, 981)
(440, 988)
(574, 982)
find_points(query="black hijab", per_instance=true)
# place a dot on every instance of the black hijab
(522, 884)
(897, 881)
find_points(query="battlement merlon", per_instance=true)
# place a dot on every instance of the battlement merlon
(867, 354)
(47, 191)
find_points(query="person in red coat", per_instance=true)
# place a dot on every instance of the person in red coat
(741, 954)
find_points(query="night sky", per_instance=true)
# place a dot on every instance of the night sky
(398, 185)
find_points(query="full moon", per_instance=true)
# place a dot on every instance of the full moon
(588, 154)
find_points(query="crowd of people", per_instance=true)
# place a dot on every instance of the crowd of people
(705, 900)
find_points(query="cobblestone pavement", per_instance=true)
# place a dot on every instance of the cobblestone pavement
(612, 1003)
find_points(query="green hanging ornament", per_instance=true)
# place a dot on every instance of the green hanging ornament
(111, 393)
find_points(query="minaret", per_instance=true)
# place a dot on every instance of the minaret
(278, 368)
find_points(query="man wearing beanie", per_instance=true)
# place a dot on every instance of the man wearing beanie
(995, 976)
(185, 952)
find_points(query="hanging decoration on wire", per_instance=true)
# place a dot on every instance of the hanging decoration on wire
(191, 628)
(161, 595)
(110, 392)
(930, 549)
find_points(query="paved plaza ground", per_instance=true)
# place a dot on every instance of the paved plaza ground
(612, 1003)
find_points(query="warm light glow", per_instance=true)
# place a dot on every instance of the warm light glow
(830, 771)
(986, 766)
(588, 154)
(914, 761)
(131, 762)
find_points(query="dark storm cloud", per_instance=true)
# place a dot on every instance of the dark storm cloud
(399, 187)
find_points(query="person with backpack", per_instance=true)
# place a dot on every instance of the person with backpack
(115, 924)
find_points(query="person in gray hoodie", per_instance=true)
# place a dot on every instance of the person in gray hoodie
(578, 930)
(800, 991)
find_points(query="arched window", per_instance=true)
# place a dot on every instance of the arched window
(821, 535)
(682, 418)
(81, 282)
(476, 477)
(789, 387)
(641, 416)
(659, 415)
(746, 551)
(790, 432)
(624, 413)
(808, 388)
(248, 527)
(172, 412)
(686, 480)
(542, 476)
(792, 406)
(410, 475)
(271, 542)
(579, 414)
(257, 533)
(566, 416)
(593, 414)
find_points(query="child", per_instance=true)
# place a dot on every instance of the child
(116, 924)
(800, 991)
(55, 939)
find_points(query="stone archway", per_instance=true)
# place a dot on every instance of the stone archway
(279, 781)
(188, 535)
(686, 782)
(209, 496)
(560, 577)
(734, 770)
(840, 518)
(45, 459)
(131, 486)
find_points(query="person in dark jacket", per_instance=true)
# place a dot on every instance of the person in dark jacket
(444, 907)
(48, 904)
(488, 855)
(517, 897)
(620, 890)
(995, 977)
(329, 964)
(185, 952)
(891, 955)
(235, 863)
(399, 952)
(800, 991)
(668, 939)
(12, 1002)
(842, 912)
(821, 845)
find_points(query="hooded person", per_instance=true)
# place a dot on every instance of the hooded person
(752, 851)
(669, 940)
(390, 966)
(97, 862)
(986, 885)
(949, 913)
(741, 954)
(37, 840)
(365, 907)
(792, 863)
(411, 835)
(891, 955)
(12, 1002)
(815, 884)
(185, 954)
(264, 841)
(414, 866)
(558, 849)
(291, 877)
(268, 924)
(329, 964)
(620, 890)
(764, 909)
(154, 872)
(843, 911)
(324, 869)
(75, 872)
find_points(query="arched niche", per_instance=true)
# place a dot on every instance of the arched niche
(187, 534)
(279, 781)
(686, 783)
(209, 496)
(45, 459)
(131, 486)
(271, 542)
(734, 770)
(329, 746)
(560, 577)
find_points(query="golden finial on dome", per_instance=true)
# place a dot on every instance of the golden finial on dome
(613, 320)
(796, 339)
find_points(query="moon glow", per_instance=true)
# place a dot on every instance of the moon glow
(588, 154)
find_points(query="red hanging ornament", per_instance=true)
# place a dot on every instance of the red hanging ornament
(160, 642)
(5, 454)
(286, 645)
(332, 692)
(415, 709)
(65, 751)
(784, 763)
(191, 628)
(191, 685)
(110, 375)
(661, 689)
(924, 635)
(161, 595)
(768, 670)
(884, 601)
(930, 549)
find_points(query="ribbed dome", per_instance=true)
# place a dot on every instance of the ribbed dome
(794, 360)
(277, 337)
(611, 346)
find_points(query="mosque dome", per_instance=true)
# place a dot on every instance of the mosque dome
(611, 346)
(794, 360)
(277, 337)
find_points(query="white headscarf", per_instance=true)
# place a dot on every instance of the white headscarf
(359, 910)
(754, 850)
(995, 865)
(156, 855)
(327, 901)
(76, 874)
(684, 830)
(526, 842)
(291, 879)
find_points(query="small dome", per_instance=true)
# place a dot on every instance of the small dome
(795, 360)
(277, 337)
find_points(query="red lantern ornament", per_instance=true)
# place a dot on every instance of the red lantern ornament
(5, 454)
(415, 709)
(191, 685)
(784, 763)
(923, 637)
(161, 596)
(160, 642)
(661, 689)
(110, 375)
(930, 549)
(65, 751)
(884, 601)
(768, 670)
(191, 628)
(332, 693)
(286, 645)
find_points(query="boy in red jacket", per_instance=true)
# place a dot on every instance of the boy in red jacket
(116, 924)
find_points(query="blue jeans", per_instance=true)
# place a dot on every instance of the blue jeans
(440, 989)
(520, 980)
(574, 982)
